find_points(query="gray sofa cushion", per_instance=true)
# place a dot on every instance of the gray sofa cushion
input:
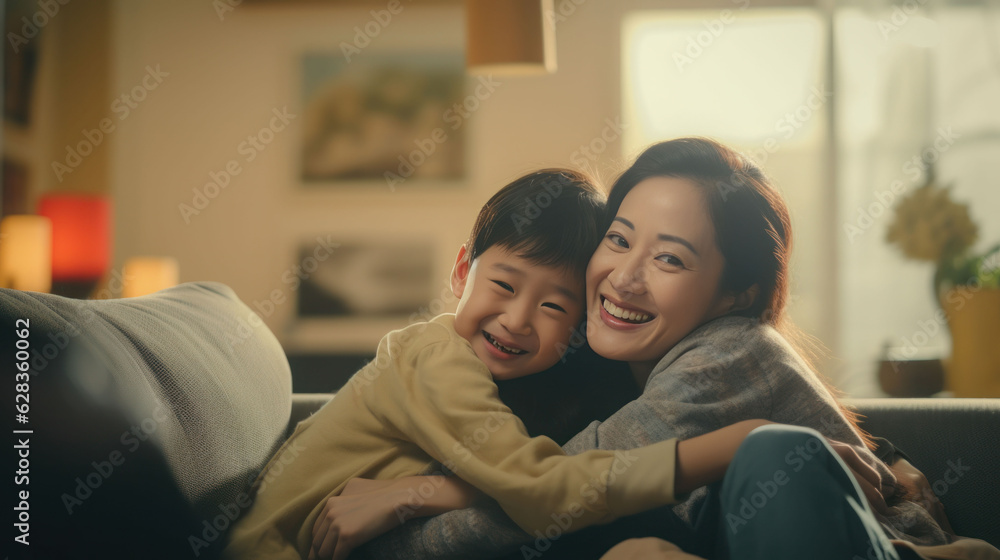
(194, 370)
(954, 443)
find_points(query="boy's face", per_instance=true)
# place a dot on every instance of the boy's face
(517, 315)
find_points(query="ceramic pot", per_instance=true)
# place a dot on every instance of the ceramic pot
(974, 320)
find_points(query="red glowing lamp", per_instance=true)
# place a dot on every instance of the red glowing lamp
(81, 240)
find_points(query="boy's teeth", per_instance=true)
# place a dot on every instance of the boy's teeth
(494, 342)
(632, 316)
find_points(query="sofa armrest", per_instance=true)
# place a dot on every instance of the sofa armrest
(954, 443)
(303, 405)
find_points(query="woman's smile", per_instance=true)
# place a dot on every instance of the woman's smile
(618, 315)
(655, 277)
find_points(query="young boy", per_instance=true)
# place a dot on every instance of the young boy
(429, 396)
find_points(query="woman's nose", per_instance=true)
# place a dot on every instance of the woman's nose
(629, 277)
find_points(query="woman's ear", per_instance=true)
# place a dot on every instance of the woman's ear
(735, 302)
(460, 272)
(745, 299)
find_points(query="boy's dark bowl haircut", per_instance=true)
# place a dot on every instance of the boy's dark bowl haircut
(551, 217)
(554, 217)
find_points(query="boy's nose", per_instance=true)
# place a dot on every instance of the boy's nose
(516, 321)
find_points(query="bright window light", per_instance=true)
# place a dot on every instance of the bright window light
(739, 76)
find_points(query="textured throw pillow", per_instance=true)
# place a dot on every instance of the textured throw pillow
(193, 369)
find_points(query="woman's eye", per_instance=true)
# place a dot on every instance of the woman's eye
(555, 306)
(504, 285)
(617, 240)
(671, 259)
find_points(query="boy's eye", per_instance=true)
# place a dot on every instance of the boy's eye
(555, 306)
(617, 240)
(504, 285)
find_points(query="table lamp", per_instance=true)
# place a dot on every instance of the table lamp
(145, 275)
(81, 241)
(25, 249)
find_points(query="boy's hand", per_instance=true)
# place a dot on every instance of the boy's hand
(363, 511)
(366, 509)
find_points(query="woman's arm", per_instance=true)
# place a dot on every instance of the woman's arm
(704, 459)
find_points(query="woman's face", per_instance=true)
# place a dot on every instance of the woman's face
(655, 277)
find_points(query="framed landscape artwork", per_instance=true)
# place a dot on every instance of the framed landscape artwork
(351, 299)
(382, 118)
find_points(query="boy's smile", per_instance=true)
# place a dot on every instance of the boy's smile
(505, 348)
(517, 315)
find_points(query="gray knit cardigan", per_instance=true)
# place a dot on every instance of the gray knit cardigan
(727, 370)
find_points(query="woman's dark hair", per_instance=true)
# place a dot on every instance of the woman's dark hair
(752, 229)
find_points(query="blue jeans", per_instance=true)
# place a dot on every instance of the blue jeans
(788, 495)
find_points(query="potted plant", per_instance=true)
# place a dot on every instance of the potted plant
(929, 225)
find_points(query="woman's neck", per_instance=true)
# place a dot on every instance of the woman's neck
(641, 371)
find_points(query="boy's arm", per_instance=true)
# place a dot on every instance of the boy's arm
(485, 530)
(708, 386)
(442, 399)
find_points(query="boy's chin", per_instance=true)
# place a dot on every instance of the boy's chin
(508, 374)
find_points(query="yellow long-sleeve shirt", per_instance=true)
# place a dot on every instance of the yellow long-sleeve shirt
(426, 397)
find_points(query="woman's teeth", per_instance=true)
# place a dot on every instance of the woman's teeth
(630, 316)
(503, 348)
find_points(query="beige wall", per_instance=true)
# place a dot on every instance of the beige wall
(72, 93)
(79, 94)
(226, 76)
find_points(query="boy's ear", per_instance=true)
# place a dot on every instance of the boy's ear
(460, 272)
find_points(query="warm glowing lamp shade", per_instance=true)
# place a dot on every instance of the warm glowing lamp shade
(509, 37)
(81, 240)
(145, 275)
(25, 249)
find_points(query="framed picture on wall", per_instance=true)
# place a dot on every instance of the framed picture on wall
(382, 119)
(348, 301)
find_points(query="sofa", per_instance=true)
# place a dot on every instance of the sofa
(148, 418)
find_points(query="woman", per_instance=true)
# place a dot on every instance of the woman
(689, 288)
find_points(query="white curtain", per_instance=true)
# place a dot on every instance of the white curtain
(912, 89)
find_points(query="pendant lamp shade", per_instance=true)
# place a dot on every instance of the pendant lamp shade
(510, 37)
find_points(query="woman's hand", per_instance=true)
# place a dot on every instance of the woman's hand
(919, 491)
(868, 478)
(366, 509)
